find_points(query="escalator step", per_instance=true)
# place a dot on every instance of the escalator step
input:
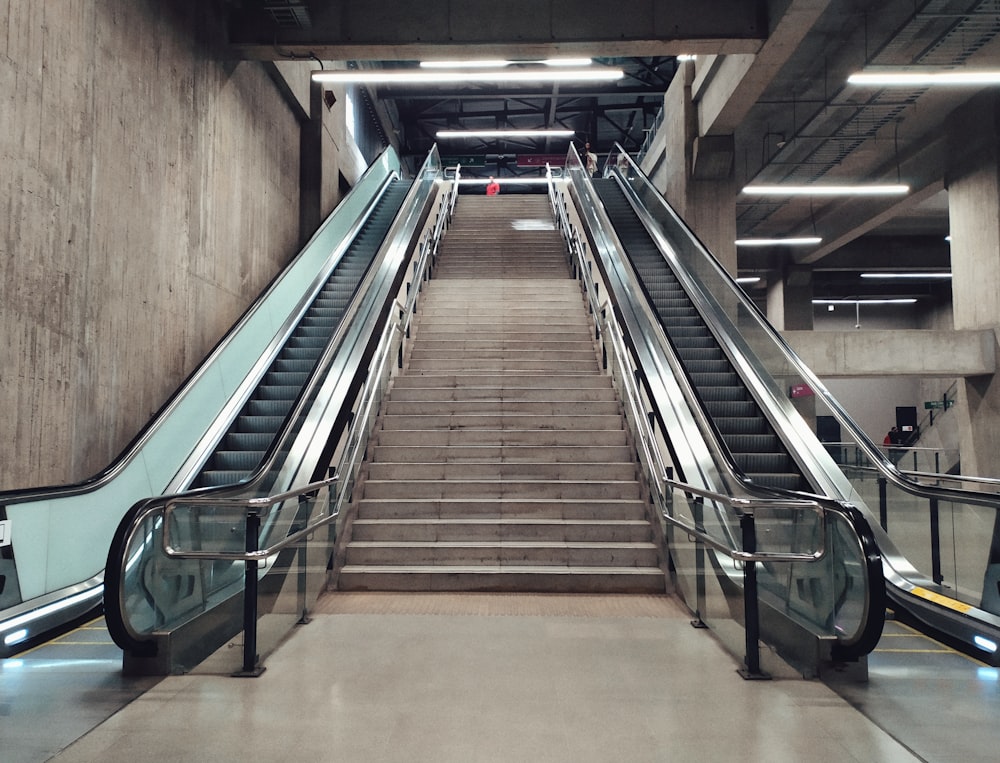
(740, 425)
(751, 443)
(278, 408)
(293, 365)
(259, 441)
(258, 424)
(216, 477)
(236, 460)
(723, 394)
(732, 408)
(286, 379)
(757, 463)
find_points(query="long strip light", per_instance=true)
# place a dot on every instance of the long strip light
(790, 241)
(509, 133)
(921, 276)
(418, 77)
(900, 301)
(497, 63)
(857, 189)
(910, 78)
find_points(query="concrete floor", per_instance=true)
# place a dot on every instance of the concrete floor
(403, 678)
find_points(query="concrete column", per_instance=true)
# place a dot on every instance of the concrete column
(789, 299)
(696, 176)
(311, 165)
(973, 181)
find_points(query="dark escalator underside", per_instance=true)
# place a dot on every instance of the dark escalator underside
(251, 433)
(756, 448)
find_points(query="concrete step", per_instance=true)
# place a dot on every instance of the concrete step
(580, 454)
(497, 529)
(553, 438)
(498, 394)
(502, 553)
(512, 364)
(553, 509)
(528, 471)
(497, 489)
(497, 578)
(501, 421)
(576, 356)
(502, 407)
(559, 381)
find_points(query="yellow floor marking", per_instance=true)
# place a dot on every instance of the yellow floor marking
(944, 647)
(57, 640)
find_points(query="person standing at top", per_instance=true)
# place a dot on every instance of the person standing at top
(492, 188)
(590, 159)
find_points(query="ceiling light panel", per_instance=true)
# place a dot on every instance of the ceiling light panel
(444, 77)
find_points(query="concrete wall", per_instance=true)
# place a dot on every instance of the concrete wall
(150, 190)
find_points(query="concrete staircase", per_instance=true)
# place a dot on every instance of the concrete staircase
(501, 463)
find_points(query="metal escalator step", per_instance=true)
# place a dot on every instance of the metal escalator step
(719, 394)
(259, 441)
(236, 460)
(751, 443)
(215, 477)
(293, 365)
(286, 379)
(713, 366)
(745, 408)
(784, 481)
(258, 424)
(740, 425)
(758, 463)
(267, 408)
(725, 379)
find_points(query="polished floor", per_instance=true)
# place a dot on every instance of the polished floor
(382, 677)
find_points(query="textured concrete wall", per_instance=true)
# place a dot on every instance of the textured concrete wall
(149, 190)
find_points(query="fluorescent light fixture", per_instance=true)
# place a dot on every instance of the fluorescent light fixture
(984, 643)
(901, 301)
(497, 63)
(917, 78)
(511, 133)
(417, 77)
(482, 63)
(791, 241)
(748, 279)
(687, 57)
(923, 276)
(859, 189)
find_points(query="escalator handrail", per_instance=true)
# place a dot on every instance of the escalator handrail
(400, 234)
(132, 449)
(257, 506)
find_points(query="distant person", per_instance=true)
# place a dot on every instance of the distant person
(492, 188)
(591, 160)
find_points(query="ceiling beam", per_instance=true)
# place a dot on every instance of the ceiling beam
(390, 30)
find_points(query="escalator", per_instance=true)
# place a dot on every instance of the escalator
(253, 430)
(216, 429)
(755, 446)
(740, 370)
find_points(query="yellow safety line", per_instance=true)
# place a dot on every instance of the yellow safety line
(944, 601)
(58, 641)
(945, 650)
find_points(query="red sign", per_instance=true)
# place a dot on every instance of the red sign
(540, 160)
(801, 390)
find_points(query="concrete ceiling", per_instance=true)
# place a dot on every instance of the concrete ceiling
(793, 116)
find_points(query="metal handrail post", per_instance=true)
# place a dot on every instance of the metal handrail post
(751, 608)
(251, 669)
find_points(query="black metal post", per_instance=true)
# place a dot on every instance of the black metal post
(883, 504)
(250, 667)
(936, 575)
(697, 514)
(751, 609)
